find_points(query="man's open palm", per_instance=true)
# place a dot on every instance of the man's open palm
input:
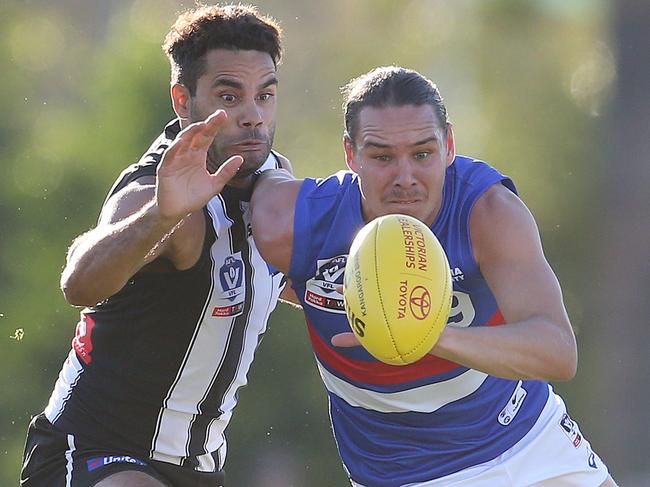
(184, 184)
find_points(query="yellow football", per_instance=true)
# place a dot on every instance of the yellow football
(397, 289)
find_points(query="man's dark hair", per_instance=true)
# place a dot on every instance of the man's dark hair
(204, 28)
(389, 86)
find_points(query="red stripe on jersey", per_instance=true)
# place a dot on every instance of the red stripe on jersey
(496, 319)
(379, 373)
(376, 372)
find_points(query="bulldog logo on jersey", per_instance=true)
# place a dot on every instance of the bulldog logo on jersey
(231, 278)
(320, 290)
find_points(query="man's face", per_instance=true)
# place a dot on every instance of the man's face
(243, 83)
(400, 154)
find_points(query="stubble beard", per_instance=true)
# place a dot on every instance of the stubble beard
(217, 154)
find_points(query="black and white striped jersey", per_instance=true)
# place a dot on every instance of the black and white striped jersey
(154, 370)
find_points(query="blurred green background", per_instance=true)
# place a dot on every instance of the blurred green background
(553, 92)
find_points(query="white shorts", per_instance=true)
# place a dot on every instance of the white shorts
(552, 454)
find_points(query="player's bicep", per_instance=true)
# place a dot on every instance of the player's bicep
(128, 201)
(509, 252)
(273, 205)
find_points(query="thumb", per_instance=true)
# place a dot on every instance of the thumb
(347, 339)
(226, 172)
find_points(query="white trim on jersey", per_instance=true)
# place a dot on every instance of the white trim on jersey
(423, 399)
(68, 461)
(68, 378)
(545, 456)
(263, 298)
(202, 361)
(207, 352)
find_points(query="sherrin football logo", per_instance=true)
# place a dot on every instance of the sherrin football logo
(397, 288)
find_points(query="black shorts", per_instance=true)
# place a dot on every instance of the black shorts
(53, 458)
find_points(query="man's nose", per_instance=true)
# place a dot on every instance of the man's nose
(251, 116)
(405, 175)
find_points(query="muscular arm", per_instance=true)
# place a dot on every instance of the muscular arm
(537, 341)
(149, 219)
(130, 234)
(273, 205)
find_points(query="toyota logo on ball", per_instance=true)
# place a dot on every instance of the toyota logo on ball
(420, 302)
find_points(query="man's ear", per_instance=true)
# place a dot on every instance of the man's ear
(181, 100)
(348, 147)
(450, 145)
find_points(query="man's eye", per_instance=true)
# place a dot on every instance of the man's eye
(228, 98)
(382, 157)
(422, 155)
(266, 96)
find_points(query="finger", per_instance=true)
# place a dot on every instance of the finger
(207, 130)
(347, 339)
(226, 172)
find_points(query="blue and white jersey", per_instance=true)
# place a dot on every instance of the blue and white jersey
(397, 425)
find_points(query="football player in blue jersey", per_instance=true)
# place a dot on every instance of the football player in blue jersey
(176, 295)
(478, 410)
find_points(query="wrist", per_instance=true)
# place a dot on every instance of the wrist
(160, 220)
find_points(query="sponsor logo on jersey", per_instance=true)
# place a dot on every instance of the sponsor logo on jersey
(99, 462)
(231, 279)
(83, 338)
(321, 290)
(511, 409)
(571, 430)
(457, 275)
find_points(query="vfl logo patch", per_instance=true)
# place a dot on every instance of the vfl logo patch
(571, 430)
(511, 409)
(320, 290)
(99, 462)
(231, 278)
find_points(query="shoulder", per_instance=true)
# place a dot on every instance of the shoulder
(500, 223)
(478, 173)
(333, 186)
(147, 165)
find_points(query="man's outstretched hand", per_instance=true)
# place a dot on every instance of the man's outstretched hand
(184, 184)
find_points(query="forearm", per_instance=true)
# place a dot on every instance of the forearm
(530, 349)
(102, 261)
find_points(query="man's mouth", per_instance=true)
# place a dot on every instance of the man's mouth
(250, 145)
(403, 202)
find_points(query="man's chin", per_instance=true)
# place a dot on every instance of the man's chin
(252, 163)
(245, 172)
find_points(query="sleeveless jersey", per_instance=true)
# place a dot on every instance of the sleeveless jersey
(397, 425)
(154, 370)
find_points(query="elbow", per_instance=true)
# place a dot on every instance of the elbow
(75, 292)
(565, 373)
(566, 367)
(564, 356)
(75, 296)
